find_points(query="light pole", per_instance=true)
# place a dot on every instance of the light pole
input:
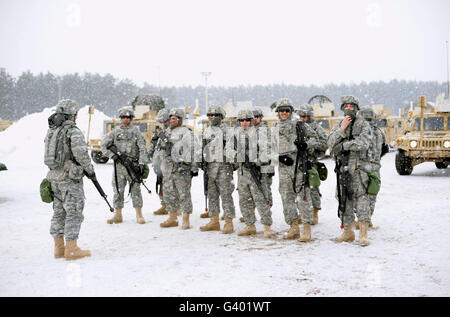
(206, 75)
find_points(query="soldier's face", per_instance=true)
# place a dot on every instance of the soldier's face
(174, 122)
(349, 106)
(256, 120)
(245, 123)
(166, 123)
(125, 121)
(284, 114)
(304, 118)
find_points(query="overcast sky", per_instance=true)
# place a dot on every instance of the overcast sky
(170, 42)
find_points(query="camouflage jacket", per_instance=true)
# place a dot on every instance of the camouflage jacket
(358, 144)
(321, 146)
(74, 148)
(378, 139)
(129, 141)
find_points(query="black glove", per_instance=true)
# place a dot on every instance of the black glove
(270, 174)
(302, 146)
(193, 174)
(384, 149)
(286, 160)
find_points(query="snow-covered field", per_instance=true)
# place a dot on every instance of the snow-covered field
(409, 253)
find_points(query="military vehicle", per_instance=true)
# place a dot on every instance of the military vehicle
(145, 108)
(426, 137)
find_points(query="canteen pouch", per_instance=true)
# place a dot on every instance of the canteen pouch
(46, 191)
(313, 178)
(374, 183)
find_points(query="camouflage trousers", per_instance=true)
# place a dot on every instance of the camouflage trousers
(293, 201)
(122, 179)
(68, 208)
(220, 187)
(359, 205)
(177, 192)
(249, 197)
(315, 197)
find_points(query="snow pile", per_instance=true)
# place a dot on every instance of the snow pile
(24, 139)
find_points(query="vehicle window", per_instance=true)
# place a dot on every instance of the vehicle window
(430, 124)
(324, 124)
(381, 123)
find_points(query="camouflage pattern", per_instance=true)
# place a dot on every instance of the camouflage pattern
(154, 102)
(245, 114)
(306, 110)
(177, 112)
(349, 99)
(67, 106)
(126, 112)
(316, 153)
(358, 165)
(250, 194)
(162, 116)
(129, 141)
(177, 164)
(291, 200)
(216, 110)
(67, 185)
(220, 172)
(267, 168)
(378, 139)
(284, 102)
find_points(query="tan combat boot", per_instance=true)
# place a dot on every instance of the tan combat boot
(161, 211)
(139, 218)
(347, 236)
(247, 231)
(212, 225)
(178, 212)
(294, 231)
(306, 235)
(171, 222)
(363, 239)
(73, 252)
(267, 231)
(204, 215)
(228, 227)
(316, 216)
(185, 224)
(356, 224)
(117, 218)
(59, 247)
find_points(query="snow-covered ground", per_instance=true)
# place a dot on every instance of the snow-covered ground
(409, 253)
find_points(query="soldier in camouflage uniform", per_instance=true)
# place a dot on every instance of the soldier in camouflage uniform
(251, 193)
(129, 141)
(287, 149)
(67, 184)
(155, 156)
(350, 141)
(377, 149)
(178, 168)
(219, 170)
(306, 114)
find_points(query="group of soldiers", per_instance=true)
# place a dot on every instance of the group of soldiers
(252, 149)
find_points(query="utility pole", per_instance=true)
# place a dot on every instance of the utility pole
(448, 82)
(206, 75)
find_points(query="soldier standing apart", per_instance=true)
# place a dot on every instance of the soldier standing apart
(129, 142)
(220, 172)
(178, 168)
(287, 149)
(306, 115)
(67, 168)
(251, 191)
(378, 148)
(350, 141)
(155, 157)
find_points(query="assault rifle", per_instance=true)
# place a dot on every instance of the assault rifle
(132, 169)
(255, 171)
(204, 166)
(100, 190)
(301, 154)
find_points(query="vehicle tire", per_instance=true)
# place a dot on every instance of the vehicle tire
(440, 165)
(403, 163)
(98, 157)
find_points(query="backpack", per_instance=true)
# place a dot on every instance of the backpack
(54, 142)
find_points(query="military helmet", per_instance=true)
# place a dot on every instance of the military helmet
(306, 110)
(367, 113)
(351, 100)
(257, 112)
(67, 106)
(214, 109)
(245, 114)
(126, 112)
(177, 112)
(284, 103)
(162, 116)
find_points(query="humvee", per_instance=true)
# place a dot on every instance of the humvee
(426, 138)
